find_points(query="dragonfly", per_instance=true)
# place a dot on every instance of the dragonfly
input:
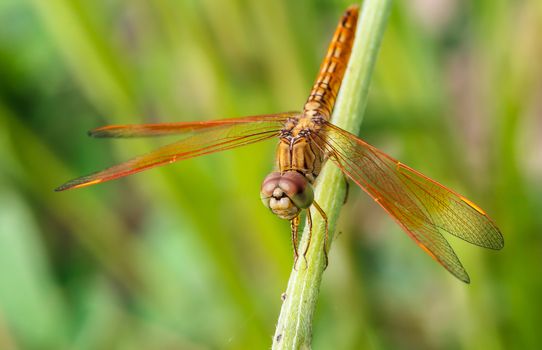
(423, 208)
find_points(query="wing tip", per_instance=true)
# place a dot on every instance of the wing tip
(98, 133)
(496, 242)
(70, 185)
(500, 239)
(500, 243)
(65, 187)
(459, 272)
(465, 278)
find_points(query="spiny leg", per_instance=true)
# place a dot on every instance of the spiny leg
(326, 237)
(294, 223)
(309, 222)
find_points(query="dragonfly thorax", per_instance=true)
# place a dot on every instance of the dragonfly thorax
(286, 193)
(306, 123)
(300, 149)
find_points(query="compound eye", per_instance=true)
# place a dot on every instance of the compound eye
(269, 184)
(297, 188)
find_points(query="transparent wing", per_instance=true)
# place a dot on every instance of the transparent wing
(180, 128)
(423, 207)
(203, 138)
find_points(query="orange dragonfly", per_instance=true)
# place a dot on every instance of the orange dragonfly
(421, 206)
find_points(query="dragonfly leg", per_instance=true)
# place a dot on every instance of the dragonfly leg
(326, 237)
(294, 223)
(309, 222)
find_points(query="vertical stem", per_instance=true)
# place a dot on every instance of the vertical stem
(294, 328)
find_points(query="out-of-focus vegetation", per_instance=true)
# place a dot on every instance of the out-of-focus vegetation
(186, 257)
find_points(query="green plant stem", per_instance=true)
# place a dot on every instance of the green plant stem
(294, 328)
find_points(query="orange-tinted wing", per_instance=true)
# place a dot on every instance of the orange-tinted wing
(423, 207)
(180, 128)
(203, 138)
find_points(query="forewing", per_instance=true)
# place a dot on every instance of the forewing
(420, 205)
(208, 138)
(181, 128)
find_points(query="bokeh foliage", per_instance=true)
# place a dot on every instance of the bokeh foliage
(186, 257)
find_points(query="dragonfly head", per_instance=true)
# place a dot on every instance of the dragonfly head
(286, 194)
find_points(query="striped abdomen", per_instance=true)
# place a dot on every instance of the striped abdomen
(325, 89)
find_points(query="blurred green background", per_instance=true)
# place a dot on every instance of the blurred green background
(186, 257)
